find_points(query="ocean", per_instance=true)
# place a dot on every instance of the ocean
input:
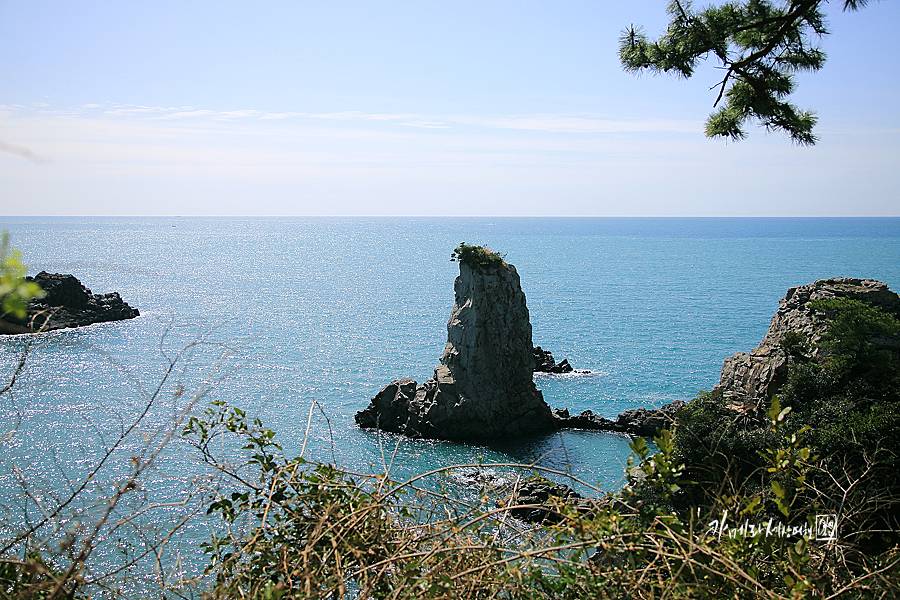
(275, 314)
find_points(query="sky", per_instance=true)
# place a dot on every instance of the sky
(464, 108)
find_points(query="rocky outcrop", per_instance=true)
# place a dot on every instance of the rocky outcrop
(483, 387)
(67, 303)
(752, 379)
(544, 363)
(637, 421)
(539, 500)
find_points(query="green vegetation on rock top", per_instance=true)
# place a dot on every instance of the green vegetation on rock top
(477, 256)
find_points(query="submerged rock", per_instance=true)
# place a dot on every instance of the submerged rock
(539, 501)
(483, 387)
(67, 303)
(752, 379)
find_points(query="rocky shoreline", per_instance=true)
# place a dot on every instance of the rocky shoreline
(66, 303)
(747, 383)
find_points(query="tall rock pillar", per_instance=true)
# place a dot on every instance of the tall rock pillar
(483, 388)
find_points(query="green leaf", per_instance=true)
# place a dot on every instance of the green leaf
(778, 489)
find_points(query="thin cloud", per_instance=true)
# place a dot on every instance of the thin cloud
(237, 114)
(23, 152)
(191, 113)
(126, 110)
(581, 124)
(273, 116)
(547, 123)
(426, 124)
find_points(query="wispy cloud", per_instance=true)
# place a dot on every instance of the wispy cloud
(589, 124)
(546, 123)
(22, 151)
(125, 110)
(185, 159)
(585, 124)
(191, 113)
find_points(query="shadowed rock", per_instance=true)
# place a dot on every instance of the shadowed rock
(638, 421)
(544, 363)
(67, 303)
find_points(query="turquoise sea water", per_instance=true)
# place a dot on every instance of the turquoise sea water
(333, 309)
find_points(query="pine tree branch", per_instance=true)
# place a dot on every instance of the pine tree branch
(790, 20)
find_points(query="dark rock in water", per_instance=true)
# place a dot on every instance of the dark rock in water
(563, 367)
(544, 363)
(483, 388)
(638, 421)
(586, 420)
(752, 379)
(390, 409)
(67, 303)
(538, 500)
(649, 423)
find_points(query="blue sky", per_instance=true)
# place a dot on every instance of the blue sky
(414, 108)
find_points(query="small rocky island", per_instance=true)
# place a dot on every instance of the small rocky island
(66, 303)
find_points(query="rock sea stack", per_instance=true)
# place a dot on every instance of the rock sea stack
(483, 387)
(67, 303)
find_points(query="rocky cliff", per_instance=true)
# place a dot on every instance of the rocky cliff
(67, 303)
(483, 387)
(755, 377)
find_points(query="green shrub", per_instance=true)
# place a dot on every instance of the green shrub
(299, 529)
(477, 257)
(721, 450)
(843, 400)
(15, 292)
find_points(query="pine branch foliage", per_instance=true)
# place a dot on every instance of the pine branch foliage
(760, 45)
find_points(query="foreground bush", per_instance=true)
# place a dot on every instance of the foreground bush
(295, 528)
(842, 399)
(298, 529)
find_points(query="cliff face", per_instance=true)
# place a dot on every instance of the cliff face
(489, 353)
(756, 376)
(483, 387)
